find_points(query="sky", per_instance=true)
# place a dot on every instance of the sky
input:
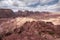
(31, 5)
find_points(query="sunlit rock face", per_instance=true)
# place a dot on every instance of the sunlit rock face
(6, 13)
(35, 30)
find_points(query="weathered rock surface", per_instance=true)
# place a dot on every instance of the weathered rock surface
(29, 27)
(35, 30)
(6, 13)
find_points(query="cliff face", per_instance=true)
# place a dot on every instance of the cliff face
(6, 13)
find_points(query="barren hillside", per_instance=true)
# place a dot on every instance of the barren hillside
(29, 25)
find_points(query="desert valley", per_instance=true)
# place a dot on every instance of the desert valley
(29, 25)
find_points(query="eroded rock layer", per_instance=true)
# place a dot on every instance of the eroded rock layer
(35, 30)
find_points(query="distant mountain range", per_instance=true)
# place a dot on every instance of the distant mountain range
(7, 13)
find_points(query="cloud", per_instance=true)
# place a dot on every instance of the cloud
(31, 5)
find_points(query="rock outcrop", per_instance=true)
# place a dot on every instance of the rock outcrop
(27, 28)
(6, 13)
(39, 30)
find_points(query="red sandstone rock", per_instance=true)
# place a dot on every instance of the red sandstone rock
(6, 13)
(33, 31)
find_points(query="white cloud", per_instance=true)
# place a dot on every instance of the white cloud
(23, 5)
(45, 1)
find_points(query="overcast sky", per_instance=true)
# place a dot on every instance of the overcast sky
(31, 5)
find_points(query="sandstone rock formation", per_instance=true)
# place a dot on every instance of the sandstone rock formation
(35, 30)
(6, 13)
(27, 26)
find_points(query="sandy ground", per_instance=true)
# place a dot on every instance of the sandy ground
(55, 21)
